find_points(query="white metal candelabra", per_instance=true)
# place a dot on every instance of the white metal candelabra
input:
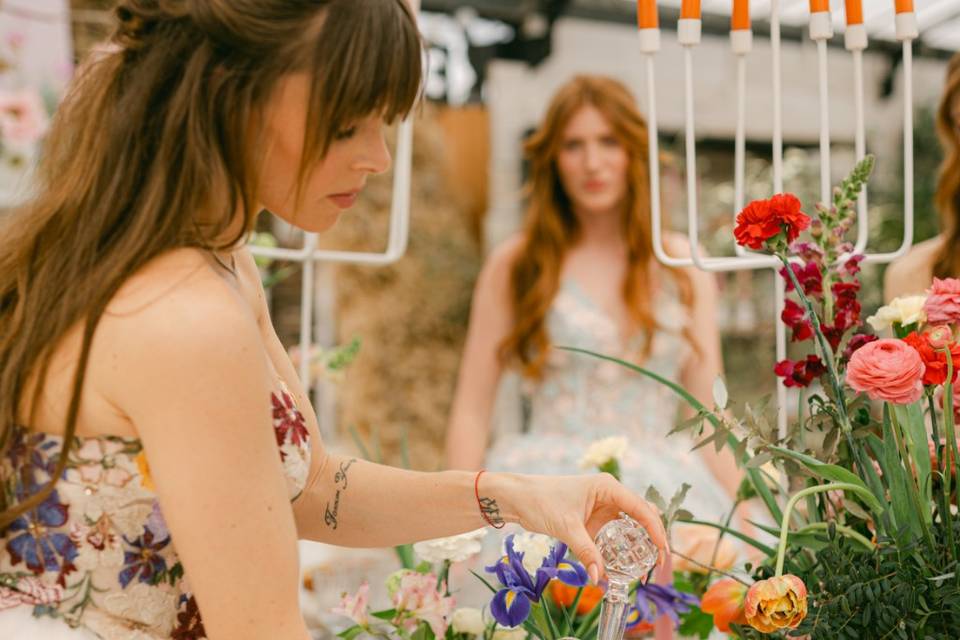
(821, 30)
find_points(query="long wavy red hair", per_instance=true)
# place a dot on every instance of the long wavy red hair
(946, 264)
(552, 228)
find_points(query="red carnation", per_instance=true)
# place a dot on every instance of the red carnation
(763, 220)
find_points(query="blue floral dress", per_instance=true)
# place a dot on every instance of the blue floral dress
(96, 554)
(582, 399)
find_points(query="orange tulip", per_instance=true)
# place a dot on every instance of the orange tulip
(724, 599)
(777, 603)
(564, 595)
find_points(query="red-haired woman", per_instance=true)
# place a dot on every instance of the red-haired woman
(582, 273)
(938, 257)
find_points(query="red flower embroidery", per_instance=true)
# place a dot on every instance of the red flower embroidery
(189, 625)
(288, 422)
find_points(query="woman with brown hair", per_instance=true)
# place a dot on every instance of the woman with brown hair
(153, 429)
(938, 257)
(582, 273)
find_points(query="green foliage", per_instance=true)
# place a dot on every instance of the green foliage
(860, 594)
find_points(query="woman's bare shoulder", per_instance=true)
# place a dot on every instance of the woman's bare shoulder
(177, 298)
(913, 272)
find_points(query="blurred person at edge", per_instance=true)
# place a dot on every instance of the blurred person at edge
(938, 257)
(160, 459)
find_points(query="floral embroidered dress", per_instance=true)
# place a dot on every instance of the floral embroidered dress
(96, 554)
(582, 399)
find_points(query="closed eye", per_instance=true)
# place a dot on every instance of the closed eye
(344, 134)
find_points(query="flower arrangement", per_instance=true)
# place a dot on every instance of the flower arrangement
(867, 536)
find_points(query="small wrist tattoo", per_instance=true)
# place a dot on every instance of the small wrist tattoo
(491, 512)
(489, 508)
(331, 513)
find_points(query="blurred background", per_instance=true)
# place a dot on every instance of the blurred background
(493, 64)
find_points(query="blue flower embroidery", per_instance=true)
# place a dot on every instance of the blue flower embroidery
(37, 546)
(144, 560)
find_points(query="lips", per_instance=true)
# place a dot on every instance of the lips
(594, 185)
(344, 200)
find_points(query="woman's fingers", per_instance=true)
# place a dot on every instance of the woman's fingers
(586, 551)
(644, 513)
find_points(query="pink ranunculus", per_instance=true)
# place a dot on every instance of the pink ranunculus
(943, 301)
(23, 118)
(888, 370)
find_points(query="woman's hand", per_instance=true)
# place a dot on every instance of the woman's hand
(574, 508)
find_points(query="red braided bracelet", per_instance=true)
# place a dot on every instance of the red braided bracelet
(483, 511)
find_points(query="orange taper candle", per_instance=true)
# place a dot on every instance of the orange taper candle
(740, 18)
(647, 14)
(817, 6)
(904, 6)
(690, 10)
(854, 12)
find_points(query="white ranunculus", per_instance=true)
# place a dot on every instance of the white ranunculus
(468, 620)
(534, 547)
(455, 548)
(603, 451)
(505, 633)
(904, 310)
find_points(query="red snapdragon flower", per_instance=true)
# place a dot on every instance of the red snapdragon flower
(800, 373)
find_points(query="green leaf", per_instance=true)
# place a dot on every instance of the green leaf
(653, 496)
(885, 452)
(423, 568)
(834, 473)
(351, 633)
(405, 554)
(806, 540)
(386, 614)
(913, 424)
(696, 623)
(770, 551)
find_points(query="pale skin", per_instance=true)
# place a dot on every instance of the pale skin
(913, 273)
(186, 359)
(592, 166)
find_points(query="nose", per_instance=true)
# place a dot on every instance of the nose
(591, 157)
(373, 155)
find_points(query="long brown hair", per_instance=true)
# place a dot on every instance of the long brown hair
(946, 264)
(552, 227)
(162, 128)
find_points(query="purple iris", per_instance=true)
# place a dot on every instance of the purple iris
(40, 545)
(511, 604)
(666, 600)
(144, 560)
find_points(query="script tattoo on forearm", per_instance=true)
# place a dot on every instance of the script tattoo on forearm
(340, 481)
(490, 509)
